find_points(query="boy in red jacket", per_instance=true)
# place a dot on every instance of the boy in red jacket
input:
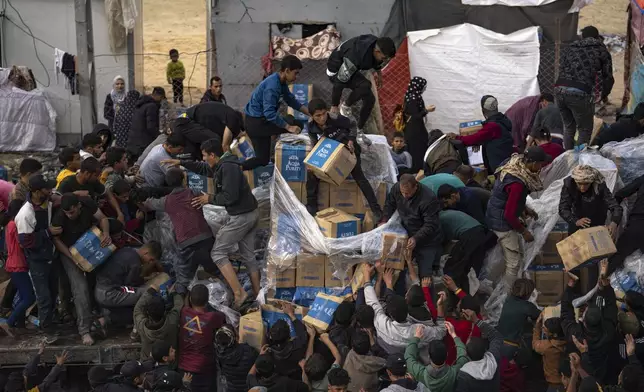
(464, 329)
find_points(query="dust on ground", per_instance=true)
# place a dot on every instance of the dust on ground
(181, 25)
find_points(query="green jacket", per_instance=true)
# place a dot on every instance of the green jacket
(437, 380)
(175, 70)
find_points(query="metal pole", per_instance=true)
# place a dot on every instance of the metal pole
(84, 59)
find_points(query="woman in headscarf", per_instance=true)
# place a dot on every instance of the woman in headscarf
(113, 100)
(414, 112)
(123, 118)
(585, 202)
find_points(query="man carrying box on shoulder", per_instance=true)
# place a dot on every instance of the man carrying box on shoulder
(234, 193)
(76, 216)
(342, 129)
(418, 208)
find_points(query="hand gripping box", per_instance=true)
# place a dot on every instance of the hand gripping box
(321, 312)
(331, 161)
(243, 148)
(87, 251)
(303, 94)
(586, 246)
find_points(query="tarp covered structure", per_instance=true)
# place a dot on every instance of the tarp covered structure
(413, 15)
(462, 63)
(576, 6)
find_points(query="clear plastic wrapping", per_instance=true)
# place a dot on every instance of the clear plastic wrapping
(162, 230)
(220, 298)
(628, 155)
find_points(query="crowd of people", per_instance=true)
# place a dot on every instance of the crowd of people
(398, 332)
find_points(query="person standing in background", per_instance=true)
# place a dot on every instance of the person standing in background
(414, 112)
(123, 118)
(214, 93)
(176, 73)
(113, 100)
(581, 62)
(145, 122)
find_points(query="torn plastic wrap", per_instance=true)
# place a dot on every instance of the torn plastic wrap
(220, 298)
(294, 231)
(631, 276)
(628, 155)
(161, 230)
(547, 207)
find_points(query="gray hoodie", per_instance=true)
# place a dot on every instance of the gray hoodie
(363, 371)
(406, 385)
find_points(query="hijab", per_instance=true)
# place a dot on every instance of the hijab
(117, 96)
(414, 94)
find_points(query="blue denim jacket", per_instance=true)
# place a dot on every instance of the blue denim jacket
(265, 100)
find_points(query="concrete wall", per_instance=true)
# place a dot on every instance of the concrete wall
(242, 39)
(53, 22)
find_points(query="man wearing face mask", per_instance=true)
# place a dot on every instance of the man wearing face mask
(35, 236)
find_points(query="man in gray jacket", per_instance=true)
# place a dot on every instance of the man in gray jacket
(394, 331)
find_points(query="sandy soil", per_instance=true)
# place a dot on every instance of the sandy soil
(609, 16)
(181, 25)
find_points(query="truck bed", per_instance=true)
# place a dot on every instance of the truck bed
(117, 348)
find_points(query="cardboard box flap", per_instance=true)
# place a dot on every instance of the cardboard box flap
(585, 246)
(335, 216)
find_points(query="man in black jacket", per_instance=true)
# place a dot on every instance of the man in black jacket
(145, 121)
(119, 281)
(235, 359)
(234, 193)
(205, 120)
(214, 93)
(581, 63)
(418, 208)
(362, 53)
(340, 128)
(623, 129)
(631, 239)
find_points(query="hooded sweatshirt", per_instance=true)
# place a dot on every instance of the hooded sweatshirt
(288, 355)
(405, 385)
(551, 350)
(363, 371)
(482, 375)
(150, 331)
(440, 379)
(393, 336)
(145, 123)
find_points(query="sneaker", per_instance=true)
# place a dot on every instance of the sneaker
(50, 334)
(346, 111)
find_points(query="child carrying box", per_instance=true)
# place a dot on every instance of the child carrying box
(341, 129)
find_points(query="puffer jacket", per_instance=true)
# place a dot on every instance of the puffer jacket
(494, 216)
(580, 64)
(145, 123)
(497, 150)
(235, 363)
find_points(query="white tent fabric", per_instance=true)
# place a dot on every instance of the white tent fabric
(464, 62)
(576, 5)
(27, 119)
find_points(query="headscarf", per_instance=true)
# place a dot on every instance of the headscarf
(587, 175)
(414, 94)
(117, 96)
(516, 166)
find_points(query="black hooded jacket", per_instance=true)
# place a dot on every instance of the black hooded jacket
(102, 129)
(353, 55)
(235, 363)
(288, 355)
(145, 123)
(580, 63)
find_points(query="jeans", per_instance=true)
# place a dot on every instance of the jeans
(313, 183)
(81, 293)
(360, 90)
(191, 257)
(46, 286)
(577, 109)
(260, 132)
(22, 282)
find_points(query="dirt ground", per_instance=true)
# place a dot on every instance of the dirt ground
(181, 25)
(609, 16)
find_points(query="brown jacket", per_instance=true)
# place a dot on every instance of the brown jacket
(443, 155)
(551, 350)
(363, 371)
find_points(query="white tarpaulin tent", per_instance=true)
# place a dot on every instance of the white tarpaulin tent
(576, 5)
(464, 62)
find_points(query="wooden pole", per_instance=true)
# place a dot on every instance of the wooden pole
(85, 63)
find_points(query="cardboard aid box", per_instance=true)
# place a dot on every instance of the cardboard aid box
(260, 175)
(346, 197)
(303, 94)
(321, 312)
(299, 189)
(162, 281)
(243, 148)
(337, 224)
(330, 280)
(310, 270)
(469, 127)
(586, 246)
(199, 183)
(272, 311)
(549, 281)
(555, 311)
(394, 244)
(549, 253)
(289, 161)
(87, 251)
(252, 330)
(281, 271)
(330, 161)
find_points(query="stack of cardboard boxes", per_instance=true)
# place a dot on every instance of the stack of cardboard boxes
(549, 275)
(289, 161)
